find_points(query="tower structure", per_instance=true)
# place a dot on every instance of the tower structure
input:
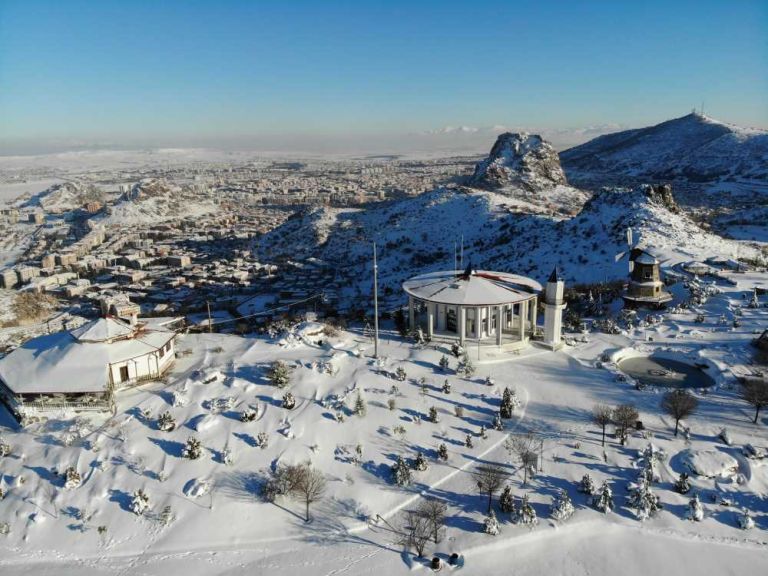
(554, 304)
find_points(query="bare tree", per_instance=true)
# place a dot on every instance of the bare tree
(602, 415)
(489, 480)
(434, 511)
(624, 416)
(679, 404)
(756, 393)
(415, 531)
(524, 448)
(310, 486)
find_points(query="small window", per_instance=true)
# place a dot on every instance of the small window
(123, 373)
(168, 347)
(162, 352)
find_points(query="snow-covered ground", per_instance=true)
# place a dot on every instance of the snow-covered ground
(12, 190)
(220, 526)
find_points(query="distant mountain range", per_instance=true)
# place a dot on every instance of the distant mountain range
(693, 148)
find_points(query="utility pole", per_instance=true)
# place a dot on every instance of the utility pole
(375, 304)
(210, 324)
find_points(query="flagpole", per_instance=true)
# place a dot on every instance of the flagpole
(375, 304)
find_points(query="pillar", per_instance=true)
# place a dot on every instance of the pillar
(411, 320)
(499, 314)
(462, 324)
(534, 314)
(478, 323)
(523, 314)
(430, 319)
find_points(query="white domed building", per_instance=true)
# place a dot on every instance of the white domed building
(79, 370)
(482, 306)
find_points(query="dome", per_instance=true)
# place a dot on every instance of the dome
(471, 288)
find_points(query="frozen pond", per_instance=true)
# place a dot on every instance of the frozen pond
(665, 372)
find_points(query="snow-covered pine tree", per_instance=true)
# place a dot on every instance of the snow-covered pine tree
(166, 422)
(643, 500)
(442, 452)
(506, 500)
(289, 402)
(587, 485)
(72, 478)
(745, 520)
(491, 524)
(683, 484)
(446, 385)
(497, 422)
(5, 448)
(433, 415)
(401, 474)
(483, 434)
(468, 441)
(458, 410)
(604, 499)
(226, 456)
(526, 514)
(139, 502)
(456, 350)
(262, 440)
(465, 366)
(192, 449)
(489, 381)
(420, 464)
(562, 507)
(505, 409)
(167, 516)
(248, 415)
(400, 374)
(279, 374)
(361, 408)
(444, 363)
(696, 510)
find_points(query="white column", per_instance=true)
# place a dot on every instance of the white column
(478, 323)
(534, 313)
(462, 324)
(430, 318)
(411, 322)
(499, 313)
(523, 314)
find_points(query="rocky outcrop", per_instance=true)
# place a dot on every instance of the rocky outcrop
(522, 160)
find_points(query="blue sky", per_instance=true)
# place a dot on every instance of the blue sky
(187, 71)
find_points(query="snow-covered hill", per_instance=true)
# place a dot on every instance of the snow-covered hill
(418, 235)
(526, 168)
(524, 160)
(153, 200)
(695, 148)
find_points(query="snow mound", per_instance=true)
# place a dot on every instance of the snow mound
(196, 488)
(710, 463)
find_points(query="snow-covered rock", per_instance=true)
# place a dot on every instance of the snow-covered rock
(710, 463)
(524, 160)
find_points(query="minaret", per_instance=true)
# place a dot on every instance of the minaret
(553, 310)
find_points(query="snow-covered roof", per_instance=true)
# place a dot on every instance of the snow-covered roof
(60, 363)
(103, 330)
(645, 258)
(478, 288)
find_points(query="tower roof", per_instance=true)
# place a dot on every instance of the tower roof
(556, 276)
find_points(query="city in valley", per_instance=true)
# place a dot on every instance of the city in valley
(511, 347)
